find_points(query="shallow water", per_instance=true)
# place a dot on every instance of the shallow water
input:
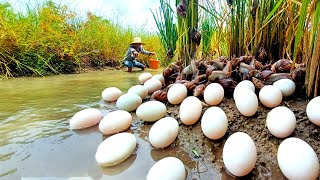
(35, 138)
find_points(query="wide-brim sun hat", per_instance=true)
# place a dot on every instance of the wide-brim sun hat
(137, 40)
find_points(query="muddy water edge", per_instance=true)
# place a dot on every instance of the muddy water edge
(36, 140)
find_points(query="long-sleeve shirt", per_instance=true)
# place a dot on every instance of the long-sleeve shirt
(129, 55)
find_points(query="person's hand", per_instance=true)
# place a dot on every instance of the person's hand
(135, 54)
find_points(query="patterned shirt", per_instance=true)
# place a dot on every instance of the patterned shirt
(129, 55)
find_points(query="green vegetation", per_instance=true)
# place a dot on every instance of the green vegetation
(164, 19)
(52, 39)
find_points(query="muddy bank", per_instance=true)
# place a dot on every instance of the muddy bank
(191, 141)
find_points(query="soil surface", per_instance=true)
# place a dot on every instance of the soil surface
(191, 142)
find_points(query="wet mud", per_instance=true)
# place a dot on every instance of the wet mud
(203, 157)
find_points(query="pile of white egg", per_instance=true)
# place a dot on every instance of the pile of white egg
(295, 157)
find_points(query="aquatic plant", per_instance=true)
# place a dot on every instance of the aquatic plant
(164, 19)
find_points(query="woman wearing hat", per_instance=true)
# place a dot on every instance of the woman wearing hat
(134, 49)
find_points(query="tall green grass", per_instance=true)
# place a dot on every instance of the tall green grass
(51, 39)
(164, 19)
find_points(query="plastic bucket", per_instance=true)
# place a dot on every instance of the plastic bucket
(154, 63)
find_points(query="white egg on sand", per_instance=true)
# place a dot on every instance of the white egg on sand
(85, 118)
(163, 132)
(129, 102)
(214, 123)
(169, 168)
(159, 77)
(115, 122)
(270, 96)
(213, 94)
(139, 90)
(115, 149)
(286, 86)
(243, 84)
(177, 93)
(297, 159)
(239, 154)
(247, 103)
(111, 94)
(151, 111)
(313, 112)
(281, 122)
(190, 110)
(144, 77)
(153, 85)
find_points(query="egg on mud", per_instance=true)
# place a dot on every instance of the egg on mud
(115, 122)
(190, 110)
(246, 84)
(286, 86)
(139, 90)
(129, 102)
(85, 118)
(159, 77)
(313, 112)
(213, 94)
(163, 132)
(270, 96)
(239, 154)
(214, 123)
(177, 93)
(144, 77)
(151, 111)
(247, 103)
(281, 122)
(297, 159)
(115, 149)
(153, 85)
(111, 94)
(169, 168)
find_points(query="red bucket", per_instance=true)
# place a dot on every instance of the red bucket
(154, 63)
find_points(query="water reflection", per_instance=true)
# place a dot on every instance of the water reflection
(35, 139)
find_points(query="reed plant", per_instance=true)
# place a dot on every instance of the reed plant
(50, 38)
(167, 30)
(188, 35)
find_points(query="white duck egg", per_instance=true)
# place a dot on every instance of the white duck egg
(213, 94)
(153, 85)
(177, 93)
(115, 122)
(286, 86)
(169, 168)
(144, 77)
(129, 102)
(270, 96)
(85, 118)
(163, 132)
(214, 123)
(313, 112)
(247, 103)
(115, 149)
(159, 77)
(297, 159)
(243, 84)
(140, 90)
(190, 110)
(281, 122)
(151, 111)
(239, 154)
(111, 94)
